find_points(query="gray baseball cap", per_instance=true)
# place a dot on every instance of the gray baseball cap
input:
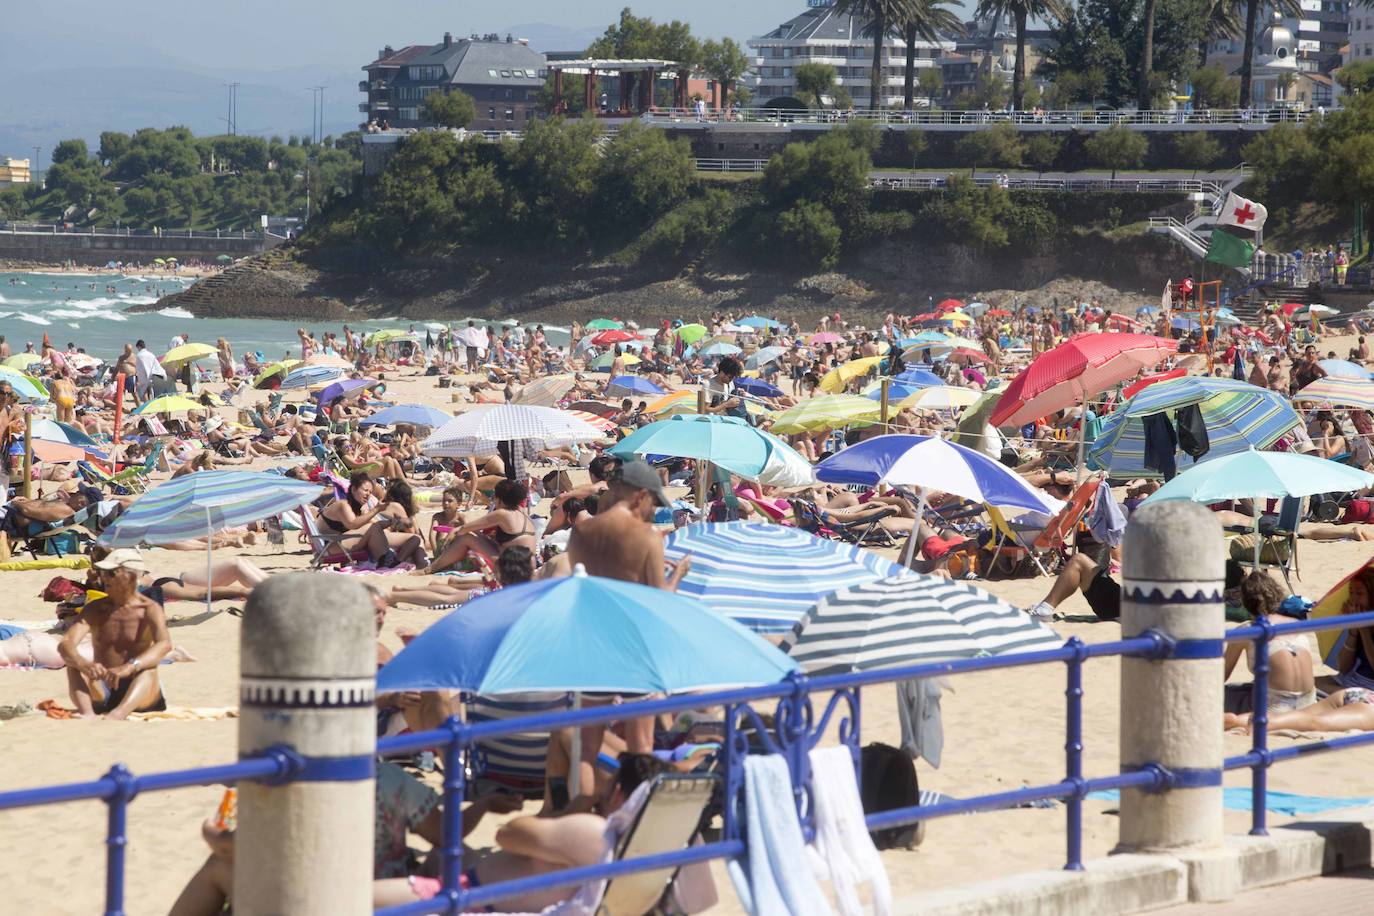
(641, 476)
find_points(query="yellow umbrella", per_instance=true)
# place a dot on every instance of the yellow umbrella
(23, 360)
(186, 353)
(826, 412)
(1332, 604)
(282, 367)
(835, 380)
(957, 318)
(939, 397)
(170, 403)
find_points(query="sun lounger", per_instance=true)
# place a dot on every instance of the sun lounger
(328, 545)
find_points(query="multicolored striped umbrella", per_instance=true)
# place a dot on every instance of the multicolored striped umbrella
(768, 576)
(1238, 416)
(1339, 392)
(907, 621)
(202, 503)
(305, 376)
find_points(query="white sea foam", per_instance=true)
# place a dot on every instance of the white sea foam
(175, 313)
(31, 319)
(84, 314)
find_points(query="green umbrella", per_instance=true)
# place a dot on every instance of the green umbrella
(223, 258)
(604, 324)
(691, 333)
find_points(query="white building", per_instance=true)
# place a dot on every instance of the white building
(820, 35)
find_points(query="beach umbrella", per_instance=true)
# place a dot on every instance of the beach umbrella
(480, 430)
(413, 414)
(999, 313)
(678, 401)
(1136, 387)
(22, 361)
(896, 391)
(604, 424)
(1262, 475)
(936, 345)
(835, 380)
(727, 442)
(973, 429)
(691, 333)
(615, 336)
(335, 390)
(604, 324)
(1339, 392)
(1332, 604)
(910, 620)
(721, 348)
(758, 388)
(943, 397)
(281, 368)
(387, 335)
(223, 258)
(333, 360)
(595, 407)
(829, 411)
(583, 633)
(758, 321)
(976, 308)
(159, 261)
(1238, 416)
(307, 376)
(948, 305)
(630, 385)
(917, 378)
(965, 356)
(958, 319)
(81, 361)
(1343, 368)
(25, 387)
(546, 392)
(169, 403)
(1317, 309)
(54, 431)
(186, 353)
(603, 362)
(824, 337)
(56, 452)
(202, 503)
(763, 356)
(767, 576)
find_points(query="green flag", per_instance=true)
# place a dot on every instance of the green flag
(1226, 249)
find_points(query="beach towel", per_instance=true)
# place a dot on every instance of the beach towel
(1106, 521)
(842, 842)
(1160, 444)
(918, 714)
(1286, 803)
(770, 878)
(1192, 431)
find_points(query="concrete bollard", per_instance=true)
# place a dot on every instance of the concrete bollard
(1174, 566)
(308, 681)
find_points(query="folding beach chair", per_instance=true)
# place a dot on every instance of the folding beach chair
(515, 762)
(869, 531)
(1278, 543)
(1011, 545)
(62, 537)
(135, 478)
(328, 545)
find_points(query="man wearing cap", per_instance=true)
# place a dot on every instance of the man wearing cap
(129, 639)
(618, 542)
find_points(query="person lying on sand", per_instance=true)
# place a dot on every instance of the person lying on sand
(24, 648)
(129, 638)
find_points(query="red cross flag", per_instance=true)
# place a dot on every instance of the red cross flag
(1242, 213)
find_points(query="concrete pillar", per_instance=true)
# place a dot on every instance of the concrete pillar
(307, 667)
(1174, 564)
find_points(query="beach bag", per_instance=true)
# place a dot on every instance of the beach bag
(887, 781)
(1272, 553)
(62, 588)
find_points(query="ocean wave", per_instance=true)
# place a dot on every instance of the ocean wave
(5, 301)
(130, 299)
(175, 313)
(73, 324)
(84, 314)
(31, 319)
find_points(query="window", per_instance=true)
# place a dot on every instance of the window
(510, 114)
(529, 113)
(410, 114)
(505, 73)
(491, 73)
(491, 114)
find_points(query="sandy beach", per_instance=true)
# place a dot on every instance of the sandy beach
(1002, 730)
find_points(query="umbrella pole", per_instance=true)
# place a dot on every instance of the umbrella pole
(575, 753)
(1257, 537)
(909, 552)
(886, 382)
(1080, 467)
(703, 468)
(209, 555)
(28, 453)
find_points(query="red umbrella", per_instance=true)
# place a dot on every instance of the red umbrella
(968, 355)
(949, 305)
(1290, 307)
(926, 316)
(1083, 365)
(1122, 323)
(1136, 387)
(999, 313)
(606, 338)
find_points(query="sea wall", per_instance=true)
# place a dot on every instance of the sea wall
(98, 249)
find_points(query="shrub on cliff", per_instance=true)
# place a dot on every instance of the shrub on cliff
(808, 235)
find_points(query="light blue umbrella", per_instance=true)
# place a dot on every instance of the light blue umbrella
(582, 633)
(414, 414)
(758, 321)
(629, 385)
(721, 348)
(727, 442)
(1343, 368)
(202, 503)
(24, 387)
(919, 378)
(768, 576)
(305, 376)
(976, 308)
(896, 391)
(1238, 416)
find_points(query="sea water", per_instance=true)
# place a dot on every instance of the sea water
(92, 311)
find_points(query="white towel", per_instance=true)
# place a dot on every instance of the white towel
(772, 878)
(842, 841)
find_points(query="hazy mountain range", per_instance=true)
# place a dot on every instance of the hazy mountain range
(59, 86)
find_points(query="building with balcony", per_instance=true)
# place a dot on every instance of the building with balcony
(14, 172)
(822, 35)
(503, 76)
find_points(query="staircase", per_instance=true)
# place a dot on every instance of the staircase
(1180, 232)
(1195, 231)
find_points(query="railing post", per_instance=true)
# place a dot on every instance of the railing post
(1173, 565)
(1073, 753)
(117, 838)
(1259, 728)
(307, 666)
(455, 789)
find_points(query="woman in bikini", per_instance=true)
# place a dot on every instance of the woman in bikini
(506, 525)
(352, 516)
(1291, 684)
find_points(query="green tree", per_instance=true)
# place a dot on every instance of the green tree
(454, 108)
(628, 37)
(1291, 8)
(1041, 150)
(726, 63)
(13, 204)
(113, 144)
(879, 18)
(1019, 11)
(554, 170)
(830, 171)
(998, 146)
(930, 81)
(1356, 77)
(676, 42)
(70, 151)
(1196, 149)
(1283, 160)
(928, 19)
(968, 214)
(1117, 147)
(809, 232)
(814, 82)
(989, 91)
(644, 174)
(1214, 88)
(914, 144)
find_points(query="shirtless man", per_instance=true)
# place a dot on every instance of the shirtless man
(129, 637)
(618, 542)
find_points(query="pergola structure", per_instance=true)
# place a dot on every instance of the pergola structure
(641, 88)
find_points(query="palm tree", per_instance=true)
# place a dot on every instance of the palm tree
(1291, 8)
(1220, 20)
(1147, 59)
(1020, 11)
(924, 19)
(881, 16)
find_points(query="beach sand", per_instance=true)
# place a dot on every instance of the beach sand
(1003, 729)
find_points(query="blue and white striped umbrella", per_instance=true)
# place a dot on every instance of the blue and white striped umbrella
(1238, 416)
(305, 376)
(767, 576)
(202, 503)
(414, 414)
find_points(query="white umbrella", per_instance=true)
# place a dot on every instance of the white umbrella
(478, 431)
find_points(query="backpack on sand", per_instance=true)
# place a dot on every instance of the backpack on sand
(887, 781)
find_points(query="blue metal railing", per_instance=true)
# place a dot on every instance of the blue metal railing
(795, 731)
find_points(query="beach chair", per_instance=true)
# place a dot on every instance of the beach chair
(516, 762)
(99, 479)
(54, 538)
(1279, 542)
(328, 545)
(1057, 534)
(867, 532)
(135, 479)
(1011, 545)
